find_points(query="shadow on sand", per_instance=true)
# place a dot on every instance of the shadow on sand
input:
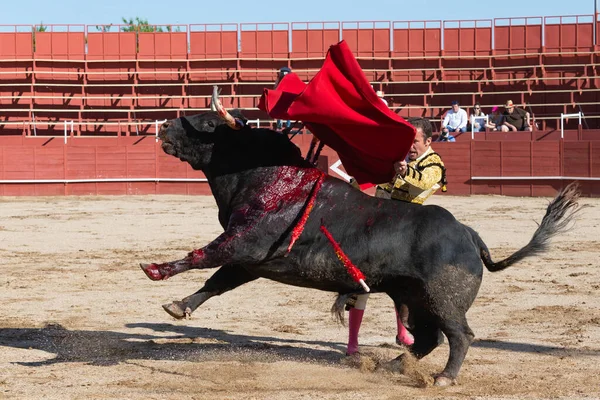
(174, 342)
(165, 342)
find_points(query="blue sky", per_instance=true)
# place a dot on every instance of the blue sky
(91, 12)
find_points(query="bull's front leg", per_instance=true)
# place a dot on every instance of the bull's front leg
(227, 278)
(231, 247)
(215, 254)
(158, 272)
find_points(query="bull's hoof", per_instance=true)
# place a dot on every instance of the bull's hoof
(178, 310)
(152, 272)
(443, 381)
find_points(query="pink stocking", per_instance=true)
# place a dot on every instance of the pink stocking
(404, 336)
(354, 320)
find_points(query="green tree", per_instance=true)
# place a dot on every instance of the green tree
(104, 28)
(138, 24)
(40, 28)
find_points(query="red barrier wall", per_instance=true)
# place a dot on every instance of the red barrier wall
(130, 157)
(60, 45)
(370, 41)
(89, 158)
(310, 40)
(568, 34)
(264, 40)
(467, 38)
(213, 41)
(518, 35)
(16, 45)
(417, 38)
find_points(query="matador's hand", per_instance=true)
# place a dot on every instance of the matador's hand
(401, 167)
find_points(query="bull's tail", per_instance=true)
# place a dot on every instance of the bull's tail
(337, 310)
(559, 214)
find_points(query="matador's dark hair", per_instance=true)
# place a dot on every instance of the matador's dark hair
(422, 123)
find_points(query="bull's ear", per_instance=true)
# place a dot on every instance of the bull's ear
(236, 113)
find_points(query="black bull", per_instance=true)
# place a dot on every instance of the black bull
(420, 256)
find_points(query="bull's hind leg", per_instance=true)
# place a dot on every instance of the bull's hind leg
(426, 333)
(460, 337)
(226, 278)
(449, 294)
(427, 338)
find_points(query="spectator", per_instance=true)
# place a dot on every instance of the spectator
(496, 120)
(515, 119)
(282, 72)
(478, 119)
(455, 120)
(380, 95)
(445, 137)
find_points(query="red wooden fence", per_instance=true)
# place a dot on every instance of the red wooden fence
(133, 158)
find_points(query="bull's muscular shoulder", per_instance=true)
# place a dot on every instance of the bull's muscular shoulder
(253, 148)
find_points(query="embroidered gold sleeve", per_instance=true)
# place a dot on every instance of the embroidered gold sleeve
(424, 179)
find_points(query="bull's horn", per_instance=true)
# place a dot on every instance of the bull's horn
(215, 105)
(215, 98)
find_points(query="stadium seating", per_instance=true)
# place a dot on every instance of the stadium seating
(112, 82)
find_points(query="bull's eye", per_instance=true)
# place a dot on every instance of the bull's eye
(211, 124)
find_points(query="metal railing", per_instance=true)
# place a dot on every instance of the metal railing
(534, 178)
(101, 180)
(69, 125)
(237, 42)
(73, 128)
(562, 118)
(473, 118)
(156, 127)
(66, 123)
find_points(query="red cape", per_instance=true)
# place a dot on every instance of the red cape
(341, 109)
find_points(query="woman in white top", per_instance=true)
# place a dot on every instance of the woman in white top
(478, 118)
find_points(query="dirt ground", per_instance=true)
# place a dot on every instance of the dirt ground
(79, 319)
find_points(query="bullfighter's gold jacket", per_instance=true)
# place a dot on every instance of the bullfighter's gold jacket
(424, 177)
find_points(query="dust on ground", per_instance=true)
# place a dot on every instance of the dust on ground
(80, 319)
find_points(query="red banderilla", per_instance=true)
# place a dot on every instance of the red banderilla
(353, 270)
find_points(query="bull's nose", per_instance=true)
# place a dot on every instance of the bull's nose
(164, 126)
(162, 132)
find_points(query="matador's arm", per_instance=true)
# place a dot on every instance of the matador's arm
(425, 179)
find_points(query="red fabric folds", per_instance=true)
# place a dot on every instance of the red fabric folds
(341, 109)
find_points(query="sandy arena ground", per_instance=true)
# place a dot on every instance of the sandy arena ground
(79, 319)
